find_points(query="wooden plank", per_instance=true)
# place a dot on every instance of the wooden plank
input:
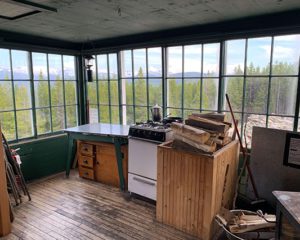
(159, 190)
(206, 124)
(5, 225)
(193, 187)
(191, 133)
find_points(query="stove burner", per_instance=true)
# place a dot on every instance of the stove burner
(156, 131)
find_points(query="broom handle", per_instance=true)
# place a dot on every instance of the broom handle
(243, 149)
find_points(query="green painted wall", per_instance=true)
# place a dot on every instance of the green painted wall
(43, 157)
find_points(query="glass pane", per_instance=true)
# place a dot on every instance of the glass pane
(155, 92)
(25, 124)
(129, 115)
(7, 120)
(192, 60)
(92, 92)
(192, 93)
(114, 93)
(140, 92)
(115, 118)
(283, 95)
(210, 93)
(5, 70)
(299, 125)
(211, 54)
(6, 99)
(172, 112)
(126, 61)
(39, 66)
(43, 120)
(129, 91)
(234, 89)
(22, 94)
(256, 96)
(102, 66)
(93, 114)
(235, 57)
(258, 56)
(69, 67)
(284, 123)
(104, 114)
(286, 54)
(139, 63)
(55, 67)
(20, 64)
(113, 66)
(174, 93)
(250, 121)
(41, 92)
(141, 114)
(71, 112)
(154, 62)
(174, 60)
(70, 92)
(58, 118)
(57, 97)
(103, 92)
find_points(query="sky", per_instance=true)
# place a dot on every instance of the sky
(286, 49)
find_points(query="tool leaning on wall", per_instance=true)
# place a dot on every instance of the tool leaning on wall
(15, 178)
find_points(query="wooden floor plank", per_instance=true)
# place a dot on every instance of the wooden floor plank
(75, 208)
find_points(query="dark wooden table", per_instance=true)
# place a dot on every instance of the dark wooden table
(288, 206)
(99, 132)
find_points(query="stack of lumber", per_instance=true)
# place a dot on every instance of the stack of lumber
(202, 132)
(241, 221)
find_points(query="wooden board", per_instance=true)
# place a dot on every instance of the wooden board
(75, 208)
(207, 124)
(190, 187)
(194, 134)
(5, 225)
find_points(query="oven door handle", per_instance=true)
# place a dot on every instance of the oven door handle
(143, 181)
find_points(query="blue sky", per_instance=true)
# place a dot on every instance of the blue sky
(286, 49)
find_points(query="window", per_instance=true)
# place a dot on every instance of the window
(141, 83)
(261, 77)
(103, 93)
(40, 90)
(192, 79)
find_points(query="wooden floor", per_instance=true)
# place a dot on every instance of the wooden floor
(81, 209)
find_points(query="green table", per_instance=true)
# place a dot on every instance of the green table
(99, 132)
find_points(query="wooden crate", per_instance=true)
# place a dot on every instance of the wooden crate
(191, 189)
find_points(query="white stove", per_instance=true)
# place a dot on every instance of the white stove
(142, 158)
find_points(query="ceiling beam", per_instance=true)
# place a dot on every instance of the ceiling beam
(32, 5)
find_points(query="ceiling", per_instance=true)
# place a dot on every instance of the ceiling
(80, 21)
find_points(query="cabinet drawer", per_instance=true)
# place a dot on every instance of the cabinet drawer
(86, 149)
(86, 161)
(142, 186)
(86, 173)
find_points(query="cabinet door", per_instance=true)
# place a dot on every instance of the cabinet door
(106, 169)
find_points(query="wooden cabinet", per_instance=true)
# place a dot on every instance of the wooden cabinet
(191, 188)
(97, 161)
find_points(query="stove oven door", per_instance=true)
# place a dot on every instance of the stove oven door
(142, 158)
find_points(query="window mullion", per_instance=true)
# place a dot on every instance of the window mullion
(32, 96)
(120, 90)
(13, 93)
(49, 90)
(133, 85)
(64, 91)
(296, 118)
(269, 82)
(108, 87)
(221, 73)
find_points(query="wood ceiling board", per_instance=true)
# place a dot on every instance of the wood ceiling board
(79, 20)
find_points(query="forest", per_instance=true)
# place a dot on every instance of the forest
(50, 96)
